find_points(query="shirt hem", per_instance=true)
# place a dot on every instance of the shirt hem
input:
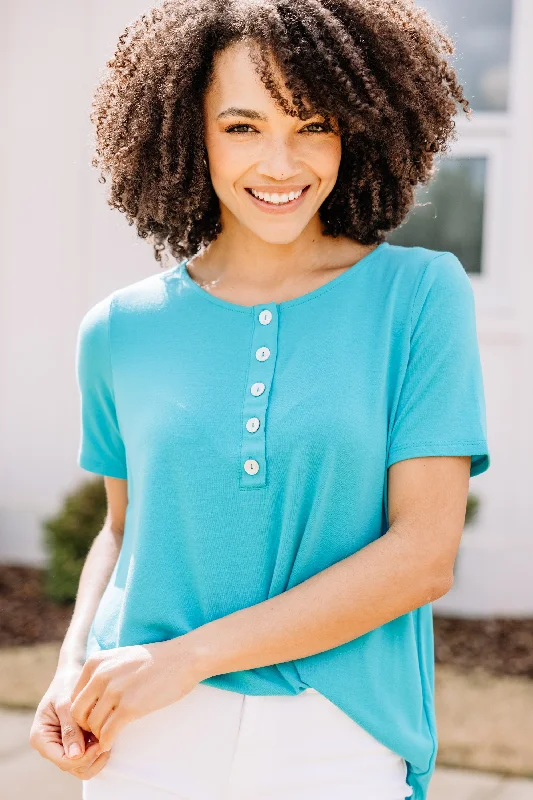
(101, 468)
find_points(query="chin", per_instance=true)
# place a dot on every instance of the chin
(277, 237)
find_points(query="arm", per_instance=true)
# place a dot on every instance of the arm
(95, 574)
(409, 566)
(427, 505)
(54, 731)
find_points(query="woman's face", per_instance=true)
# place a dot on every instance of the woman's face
(253, 145)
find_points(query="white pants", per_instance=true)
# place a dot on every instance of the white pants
(215, 744)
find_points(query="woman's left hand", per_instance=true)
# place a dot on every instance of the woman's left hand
(119, 685)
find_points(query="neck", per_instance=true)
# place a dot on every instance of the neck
(239, 257)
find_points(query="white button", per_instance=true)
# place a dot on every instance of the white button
(257, 389)
(251, 466)
(262, 354)
(265, 316)
(253, 424)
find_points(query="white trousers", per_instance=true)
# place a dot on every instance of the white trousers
(215, 744)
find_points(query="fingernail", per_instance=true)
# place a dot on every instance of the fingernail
(74, 750)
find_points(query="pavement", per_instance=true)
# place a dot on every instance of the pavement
(25, 775)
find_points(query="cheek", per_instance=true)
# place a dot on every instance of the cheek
(226, 162)
(325, 159)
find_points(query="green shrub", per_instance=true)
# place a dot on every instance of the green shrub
(472, 508)
(69, 535)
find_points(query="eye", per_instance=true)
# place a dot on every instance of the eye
(322, 125)
(233, 128)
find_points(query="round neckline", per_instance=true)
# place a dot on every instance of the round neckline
(303, 298)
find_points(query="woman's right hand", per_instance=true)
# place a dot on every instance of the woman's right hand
(57, 737)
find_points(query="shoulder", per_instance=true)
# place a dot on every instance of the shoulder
(422, 262)
(426, 273)
(93, 327)
(144, 296)
(428, 265)
(141, 297)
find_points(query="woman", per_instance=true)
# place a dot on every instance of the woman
(286, 419)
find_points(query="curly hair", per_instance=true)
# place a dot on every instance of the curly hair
(378, 67)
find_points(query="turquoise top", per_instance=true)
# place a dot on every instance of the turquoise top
(256, 441)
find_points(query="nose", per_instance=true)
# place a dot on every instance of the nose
(278, 161)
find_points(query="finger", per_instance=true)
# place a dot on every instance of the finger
(71, 734)
(45, 737)
(84, 678)
(92, 752)
(117, 720)
(45, 726)
(100, 712)
(53, 751)
(93, 769)
(84, 703)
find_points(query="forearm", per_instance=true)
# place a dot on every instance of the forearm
(387, 578)
(95, 574)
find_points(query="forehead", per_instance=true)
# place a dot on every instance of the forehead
(236, 83)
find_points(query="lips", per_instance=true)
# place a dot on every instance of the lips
(279, 208)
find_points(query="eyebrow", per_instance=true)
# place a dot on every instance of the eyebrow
(250, 113)
(233, 111)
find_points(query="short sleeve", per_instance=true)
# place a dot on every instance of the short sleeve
(101, 448)
(441, 406)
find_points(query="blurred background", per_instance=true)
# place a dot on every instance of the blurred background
(62, 250)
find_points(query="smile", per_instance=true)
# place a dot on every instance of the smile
(276, 201)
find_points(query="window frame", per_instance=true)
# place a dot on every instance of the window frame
(490, 135)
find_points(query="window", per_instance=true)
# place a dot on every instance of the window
(463, 206)
(481, 30)
(449, 212)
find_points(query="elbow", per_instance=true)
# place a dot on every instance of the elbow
(441, 585)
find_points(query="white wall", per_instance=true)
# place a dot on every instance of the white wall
(62, 249)
(495, 565)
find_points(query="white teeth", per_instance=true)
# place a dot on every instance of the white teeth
(276, 198)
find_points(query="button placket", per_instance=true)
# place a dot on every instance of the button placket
(263, 352)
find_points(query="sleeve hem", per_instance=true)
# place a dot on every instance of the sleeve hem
(109, 469)
(477, 449)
